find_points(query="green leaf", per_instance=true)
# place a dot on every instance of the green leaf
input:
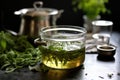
(3, 44)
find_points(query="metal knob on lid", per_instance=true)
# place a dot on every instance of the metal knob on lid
(37, 4)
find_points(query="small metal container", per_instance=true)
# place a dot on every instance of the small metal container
(106, 52)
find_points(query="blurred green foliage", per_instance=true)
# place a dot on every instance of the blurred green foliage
(91, 8)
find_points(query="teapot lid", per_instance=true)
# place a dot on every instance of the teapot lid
(37, 10)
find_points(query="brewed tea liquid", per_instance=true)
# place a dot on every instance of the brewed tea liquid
(63, 54)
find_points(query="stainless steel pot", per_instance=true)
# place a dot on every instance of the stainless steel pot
(33, 19)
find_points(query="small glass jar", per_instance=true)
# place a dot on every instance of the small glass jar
(102, 30)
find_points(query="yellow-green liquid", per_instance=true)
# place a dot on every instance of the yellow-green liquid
(63, 59)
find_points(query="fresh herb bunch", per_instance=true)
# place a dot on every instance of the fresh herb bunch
(17, 52)
(91, 8)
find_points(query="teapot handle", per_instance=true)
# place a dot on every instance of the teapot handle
(37, 4)
(38, 41)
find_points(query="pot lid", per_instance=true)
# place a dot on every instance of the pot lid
(37, 10)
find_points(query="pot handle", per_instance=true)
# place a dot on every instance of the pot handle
(37, 4)
(38, 41)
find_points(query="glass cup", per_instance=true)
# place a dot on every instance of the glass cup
(102, 30)
(64, 48)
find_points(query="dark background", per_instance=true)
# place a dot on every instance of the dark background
(10, 21)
